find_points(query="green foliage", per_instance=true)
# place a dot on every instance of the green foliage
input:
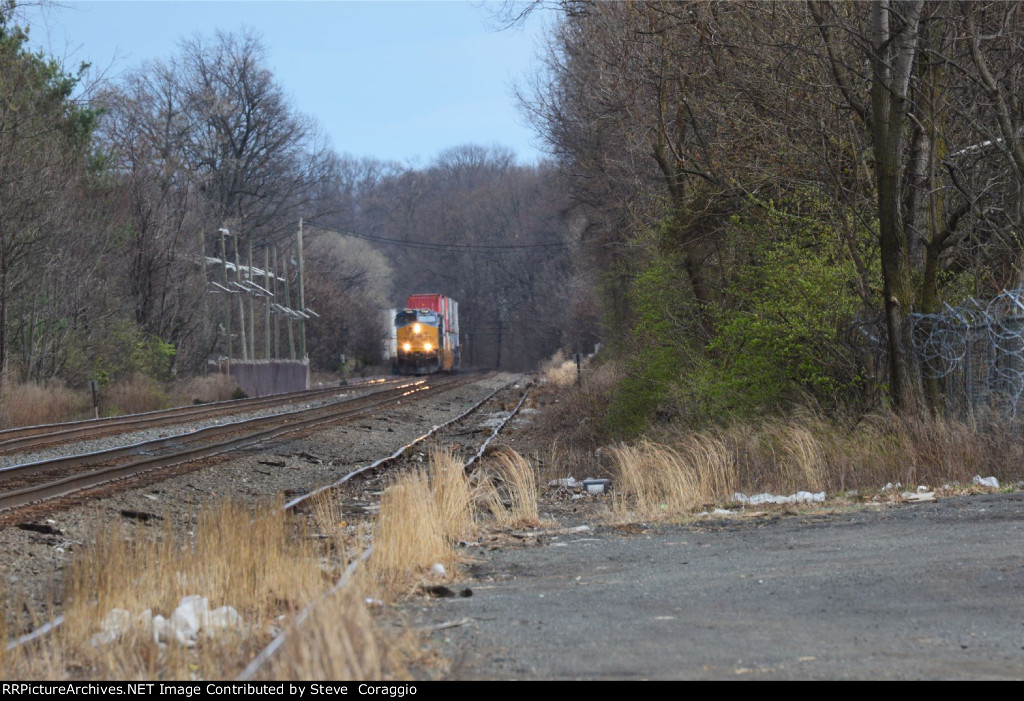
(778, 320)
(791, 301)
(118, 352)
(663, 308)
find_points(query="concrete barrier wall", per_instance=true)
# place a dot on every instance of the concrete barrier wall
(258, 378)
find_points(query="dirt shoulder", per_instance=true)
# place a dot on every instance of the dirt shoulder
(925, 591)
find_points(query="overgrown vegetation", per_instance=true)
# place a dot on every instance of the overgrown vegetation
(268, 568)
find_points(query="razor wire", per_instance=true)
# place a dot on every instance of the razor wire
(976, 350)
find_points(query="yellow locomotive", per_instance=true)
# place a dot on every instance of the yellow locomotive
(427, 333)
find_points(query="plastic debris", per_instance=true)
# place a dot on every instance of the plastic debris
(112, 627)
(438, 570)
(985, 481)
(918, 497)
(596, 486)
(223, 618)
(765, 498)
(721, 512)
(890, 485)
(566, 482)
(192, 617)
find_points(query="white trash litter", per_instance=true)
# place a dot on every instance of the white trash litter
(986, 481)
(765, 498)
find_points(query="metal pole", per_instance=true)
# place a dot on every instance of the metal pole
(227, 297)
(288, 304)
(302, 295)
(266, 314)
(241, 302)
(202, 257)
(277, 317)
(252, 309)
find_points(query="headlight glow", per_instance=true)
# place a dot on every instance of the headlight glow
(407, 347)
(427, 347)
(416, 328)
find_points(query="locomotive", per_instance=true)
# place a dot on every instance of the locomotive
(427, 332)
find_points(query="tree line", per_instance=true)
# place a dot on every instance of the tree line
(772, 189)
(123, 200)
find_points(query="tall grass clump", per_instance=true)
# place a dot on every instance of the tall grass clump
(517, 487)
(408, 537)
(658, 480)
(452, 496)
(32, 404)
(135, 395)
(215, 387)
(808, 451)
(559, 370)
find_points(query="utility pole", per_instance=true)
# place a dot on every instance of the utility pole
(202, 258)
(270, 291)
(252, 308)
(241, 302)
(227, 290)
(288, 304)
(302, 296)
(277, 317)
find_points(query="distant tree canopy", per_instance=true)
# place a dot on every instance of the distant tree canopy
(483, 230)
(115, 196)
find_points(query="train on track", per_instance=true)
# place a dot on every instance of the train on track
(426, 335)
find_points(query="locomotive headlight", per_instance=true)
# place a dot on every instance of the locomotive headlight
(407, 347)
(427, 347)
(416, 328)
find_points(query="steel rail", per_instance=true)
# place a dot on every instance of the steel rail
(320, 416)
(143, 447)
(24, 437)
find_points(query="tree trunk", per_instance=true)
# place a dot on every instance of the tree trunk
(892, 61)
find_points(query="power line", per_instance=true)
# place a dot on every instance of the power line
(451, 247)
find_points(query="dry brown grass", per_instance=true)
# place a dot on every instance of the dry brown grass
(228, 556)
(452, 496)
(133, 396)
(340, 641)
(330, 520)
(657, 480)
(216, 387)
(560, 370)
(408, 537)
(31, 404)
(571, 422)
(513, 501)
(684, 470)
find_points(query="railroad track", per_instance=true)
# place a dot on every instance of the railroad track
(25, 438)
(47, 479)
(261, 659)
(418, 387)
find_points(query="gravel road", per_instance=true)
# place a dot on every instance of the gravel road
(928, 591)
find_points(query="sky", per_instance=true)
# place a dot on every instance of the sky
(394, 80)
